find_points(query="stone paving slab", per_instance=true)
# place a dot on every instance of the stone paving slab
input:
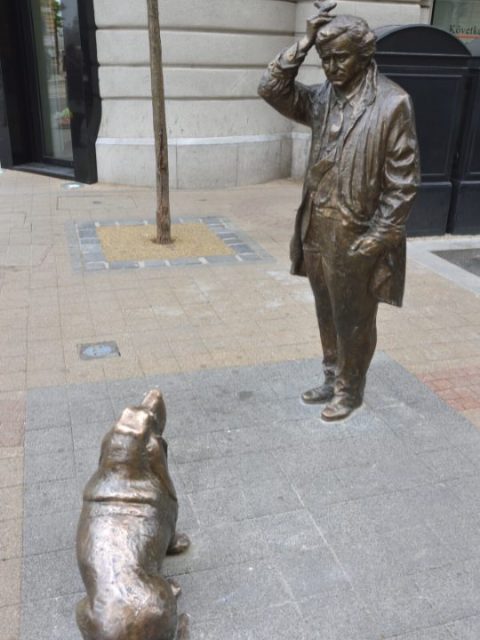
(300, 529)
(171, 320)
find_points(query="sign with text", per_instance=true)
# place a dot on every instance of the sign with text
(459, 17)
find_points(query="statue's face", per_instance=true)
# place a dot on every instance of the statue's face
(341, 62)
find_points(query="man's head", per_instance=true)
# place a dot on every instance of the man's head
(346, 46)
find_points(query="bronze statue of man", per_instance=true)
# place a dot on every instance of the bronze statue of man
(362, 175)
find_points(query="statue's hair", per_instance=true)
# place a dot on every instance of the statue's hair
(357, 30)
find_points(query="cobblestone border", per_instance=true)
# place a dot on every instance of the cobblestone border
(87, 254)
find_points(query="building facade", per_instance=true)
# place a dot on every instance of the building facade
(220, 133)
(76, 98)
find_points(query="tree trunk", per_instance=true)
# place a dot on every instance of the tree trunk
(159, 126)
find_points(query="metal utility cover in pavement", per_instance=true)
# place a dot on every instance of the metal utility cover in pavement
(98, 350)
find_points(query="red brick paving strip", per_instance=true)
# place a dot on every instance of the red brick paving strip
(460, 388)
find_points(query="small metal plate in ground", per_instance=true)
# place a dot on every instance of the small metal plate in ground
(72, 186)
(97, 350)
(466, 259)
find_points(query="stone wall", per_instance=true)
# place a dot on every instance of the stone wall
(220, 133)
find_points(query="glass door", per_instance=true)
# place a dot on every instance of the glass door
(50, 108)
(55, 116)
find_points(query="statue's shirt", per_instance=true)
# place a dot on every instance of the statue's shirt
(324, 168)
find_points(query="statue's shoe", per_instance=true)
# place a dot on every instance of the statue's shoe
(340, 408)
(318, 395)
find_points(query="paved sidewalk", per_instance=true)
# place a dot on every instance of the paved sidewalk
(300, 529)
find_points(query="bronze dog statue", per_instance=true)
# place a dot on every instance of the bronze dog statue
(126, 527)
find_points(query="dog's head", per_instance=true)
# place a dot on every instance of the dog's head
(136, 436)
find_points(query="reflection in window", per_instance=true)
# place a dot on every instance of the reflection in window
(52, 82)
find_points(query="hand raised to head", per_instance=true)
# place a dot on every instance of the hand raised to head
(324, 6)
(318, 20)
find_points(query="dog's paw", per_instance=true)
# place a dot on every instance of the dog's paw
(176, 588)
(179, 544)
(183, 629)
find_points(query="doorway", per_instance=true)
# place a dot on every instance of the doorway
(48, 19)
(49, 87)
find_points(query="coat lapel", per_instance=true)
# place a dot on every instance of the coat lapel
(369, 94)
(324, 102)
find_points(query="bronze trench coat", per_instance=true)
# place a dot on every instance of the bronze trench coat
(379, 164)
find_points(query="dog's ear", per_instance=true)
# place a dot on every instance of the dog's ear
(134, 421)
(155, 403)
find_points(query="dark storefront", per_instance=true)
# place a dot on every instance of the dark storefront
(442, 75)
(49, 99)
